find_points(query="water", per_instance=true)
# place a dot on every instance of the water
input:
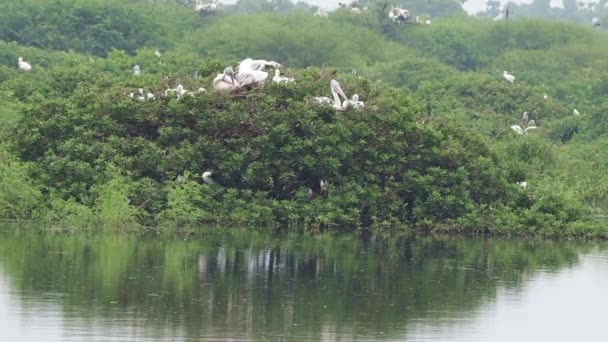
(256, 286)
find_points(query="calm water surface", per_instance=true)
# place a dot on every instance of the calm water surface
(256, 286)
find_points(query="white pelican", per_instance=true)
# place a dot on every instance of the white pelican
(226, 81)
(321, 13)
(281, 79)
(136, 70)
(595, 22)
(521, 131)
(355, 103)
(23, 65)
(258, 64)
(157, 53)
(207, 177)
(200, 7)
(508, 77)
(575, 112)
(337, 93)
(251, 72)
(399, 15)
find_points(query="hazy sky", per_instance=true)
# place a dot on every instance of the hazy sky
(472, 6)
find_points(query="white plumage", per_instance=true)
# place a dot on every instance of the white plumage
(23, 65)
(225, 82)
(207, 177)
(575, 112)
(281, 79)
(251, 72)
(136, 70)
(508, 77)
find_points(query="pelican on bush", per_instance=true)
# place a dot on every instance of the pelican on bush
(281, 79)
(338, 96)
(251, 71)
(23, 65)
(226, 81)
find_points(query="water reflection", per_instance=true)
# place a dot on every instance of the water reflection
(256, 286)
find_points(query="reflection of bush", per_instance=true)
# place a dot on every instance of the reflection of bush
(214, 280)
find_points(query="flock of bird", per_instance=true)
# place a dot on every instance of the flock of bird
(526, 123)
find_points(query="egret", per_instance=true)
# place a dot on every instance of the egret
(545, 96)
(157, 53)
(201, 90)
(136, 70)
(281, 79)
(525, 118)
(523, 184)
(576, 112)
(207, 177)
(508, 77)
(226, 81)
(23, 65)
(150, 97)
(595, 22)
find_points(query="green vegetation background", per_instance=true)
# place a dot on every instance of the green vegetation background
(432, 151)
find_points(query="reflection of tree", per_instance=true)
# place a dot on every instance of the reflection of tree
(247, 284)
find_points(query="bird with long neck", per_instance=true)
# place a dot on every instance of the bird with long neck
(226, 82)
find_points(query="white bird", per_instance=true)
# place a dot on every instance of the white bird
(281, 79)
(545, 96)
(136, 70)
(157, 53)
(519, 130)
(201, 90)
(354, 102)
(399, 15)
(525, 118)
(225, 82)
(337, 93)
(576, 112)
(595, 22)
(323, 185)
(321, 13)
(523, 184)
(420, 21)
(200, 7)
(141, 97)
(23, 65)
(150, 97)
(258, 64)
(207, 177)
(251, 72)
(508, 77)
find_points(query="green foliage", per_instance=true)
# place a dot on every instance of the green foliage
(434, 153)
